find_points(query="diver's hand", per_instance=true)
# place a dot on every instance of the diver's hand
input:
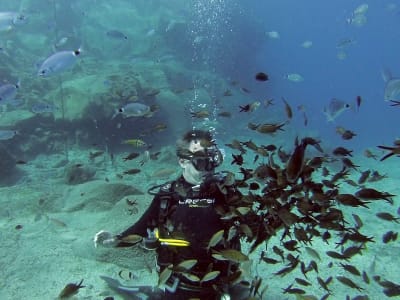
(105, 239)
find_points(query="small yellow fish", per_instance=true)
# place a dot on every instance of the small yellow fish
(135, 142)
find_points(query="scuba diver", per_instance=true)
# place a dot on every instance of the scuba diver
(179, 224)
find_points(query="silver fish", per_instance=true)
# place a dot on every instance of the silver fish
(335, 108)
(294, 77)
(134, 109)
(42, 107)
(343, 43)
(8, 91)
(116, 34)
(8, 20)
(392, 87)
(61, 42)
(6, 134)
(58, 62)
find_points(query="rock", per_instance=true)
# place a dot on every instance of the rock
(97, 196)
(78, 173)
(8, 171)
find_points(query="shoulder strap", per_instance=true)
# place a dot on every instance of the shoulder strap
(166, 195)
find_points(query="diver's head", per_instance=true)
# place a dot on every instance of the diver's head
(198, 155)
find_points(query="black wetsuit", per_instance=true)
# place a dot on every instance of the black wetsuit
(183, 211)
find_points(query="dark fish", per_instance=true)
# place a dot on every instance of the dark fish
(201, 114)
(369, 154)
(313, 142)
(270, 260)
(387, 217)
(356, 237)
(245, 108)
(364, 176)
(305, 119)
(270, 128)
(389, 236)
(393, 151)
(42, 107)
(349, 164)
(302, 282)
(324, 283)
(358, 102)
(227, 93)
(313, 266)
(71, 289)
(351, 182)
(255, 286)
(235, 144)
(316, 162)
(159, 127)
(270, 147)
(278, 252)
(341, 151)
(329, 184)
(348, 135)
(289, 219)
(131, 171)
(288, 109)
(131, 156)
(375, 176)
(358, 221)
(395, 103)
(336, 255)
(351, 269)
(261, 76)
(349, 283)
(296, 291)
(350, 200)
(93, 155)
(301, 235)
(254, 186)
(313, 253)
(255, 158)
(392, 291)
(252, 126)
(225, 114)
(372, 194)
(263, 172)
(365, 277)
(295, 163)
(251, 145)
(325, 171)
(154, 156)
(237, 159)
(116, 34)
(268, 102)
(291, 245)
(284, 271)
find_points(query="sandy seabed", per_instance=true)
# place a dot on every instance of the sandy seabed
(47, 230)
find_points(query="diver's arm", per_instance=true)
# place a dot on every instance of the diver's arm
(146, 221)
(107, 239)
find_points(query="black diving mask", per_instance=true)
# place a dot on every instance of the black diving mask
(205, 160)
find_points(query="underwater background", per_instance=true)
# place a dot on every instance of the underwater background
(78, 157)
